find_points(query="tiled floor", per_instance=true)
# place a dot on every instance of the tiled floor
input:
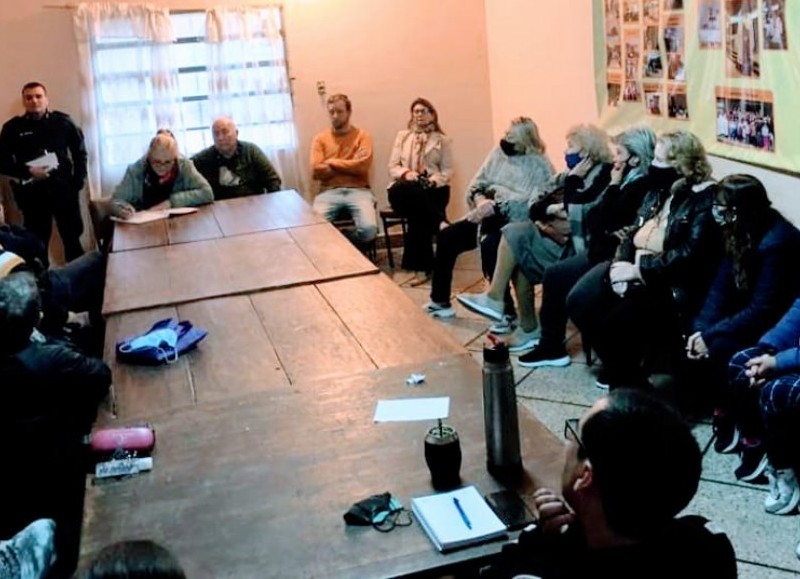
(764, 543)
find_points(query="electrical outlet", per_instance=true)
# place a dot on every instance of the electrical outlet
(321, 90)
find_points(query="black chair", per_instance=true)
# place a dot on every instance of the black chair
(390, 218)
(370, 248)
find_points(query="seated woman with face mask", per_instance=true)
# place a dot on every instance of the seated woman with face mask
(510, 178)
(644, 299)
(606, 224)
(554, 231)
(160, 180)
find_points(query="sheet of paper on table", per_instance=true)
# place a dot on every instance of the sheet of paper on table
(154, 215)
(408, 409)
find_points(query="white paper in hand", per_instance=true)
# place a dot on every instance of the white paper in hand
(48, 161)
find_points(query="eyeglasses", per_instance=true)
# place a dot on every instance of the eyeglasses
(159, 163)
(571, 432)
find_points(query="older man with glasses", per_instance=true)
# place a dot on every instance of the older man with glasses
(631, 465)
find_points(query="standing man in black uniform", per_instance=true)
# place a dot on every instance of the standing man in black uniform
(43, 192)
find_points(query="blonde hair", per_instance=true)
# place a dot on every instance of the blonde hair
(591, 140)
(529, 135)
(687, 155)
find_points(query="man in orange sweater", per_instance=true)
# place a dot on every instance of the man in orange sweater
(340, 161)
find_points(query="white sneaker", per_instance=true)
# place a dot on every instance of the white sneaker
(439, 310)
(522, 341)
(483, 304)
(504, 326)
(784, 492)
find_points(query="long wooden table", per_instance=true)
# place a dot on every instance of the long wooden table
(265, 433)
(269, 341)
(173, 274)
(279, 210)
(255, 486)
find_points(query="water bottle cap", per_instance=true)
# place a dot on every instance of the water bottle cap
(495, 353)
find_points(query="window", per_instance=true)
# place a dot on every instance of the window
(213, 63)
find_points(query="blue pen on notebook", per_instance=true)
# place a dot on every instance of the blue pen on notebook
(461, 512)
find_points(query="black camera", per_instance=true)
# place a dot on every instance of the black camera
(425, 181)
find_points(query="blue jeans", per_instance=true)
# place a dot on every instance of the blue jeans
(358, 204)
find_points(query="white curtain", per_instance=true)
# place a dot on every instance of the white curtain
(249, 82)
(129, 86)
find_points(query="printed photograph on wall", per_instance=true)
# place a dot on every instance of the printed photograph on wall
(676, 70)
(677, 105)
(676, 47)
(614, 55)
(614, 92)
(631, 11)
(612, 19)
(632, 92)
(741, 38)
(673, 33)
(633, 53)
(709, 23)
(651, 12)
(673, 4)
(745, 118)
(653, 66)
(653, 99)
(774, 24)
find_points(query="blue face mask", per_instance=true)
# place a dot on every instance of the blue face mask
(572, 159)
(162, 339)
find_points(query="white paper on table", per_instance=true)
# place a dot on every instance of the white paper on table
(407, 409)
(154, 215)
(47, 161)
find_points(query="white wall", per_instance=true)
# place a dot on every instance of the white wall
(382, 53)
(540, 65)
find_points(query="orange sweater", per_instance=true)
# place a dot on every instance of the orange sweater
(349, 155)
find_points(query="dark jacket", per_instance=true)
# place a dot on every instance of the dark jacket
(579, 195)
(616, 210)
(52, 381)
(746, 315)
(249, 165)
(692, 246)
(25, 244)
(689, 547)
(24, 138)
(783, 341)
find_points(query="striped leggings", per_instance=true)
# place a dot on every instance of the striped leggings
(771, 412)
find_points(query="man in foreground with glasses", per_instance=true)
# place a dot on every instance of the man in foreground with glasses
(632, 465)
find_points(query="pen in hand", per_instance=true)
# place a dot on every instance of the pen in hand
(462, 513)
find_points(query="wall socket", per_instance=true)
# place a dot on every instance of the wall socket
(321, 90)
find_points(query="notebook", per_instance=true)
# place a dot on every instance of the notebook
(457, 519)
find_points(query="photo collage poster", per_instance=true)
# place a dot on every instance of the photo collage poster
(723, 69)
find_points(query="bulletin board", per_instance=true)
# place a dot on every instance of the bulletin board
(727, 70)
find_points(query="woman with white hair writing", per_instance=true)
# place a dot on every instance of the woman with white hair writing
(160, 180)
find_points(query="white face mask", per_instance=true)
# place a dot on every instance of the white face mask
(161, 339)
